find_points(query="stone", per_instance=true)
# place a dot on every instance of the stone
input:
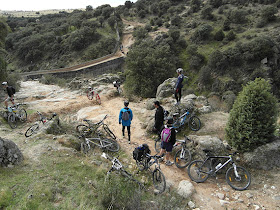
(256, 207)
(191, 204)
(166, 89)
(226, 189)
(10, 154)
(223, 202)
(185, 189)
(249, 195)
(221, 196)
(205, 109)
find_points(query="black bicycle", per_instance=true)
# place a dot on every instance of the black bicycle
(236, 176)
(117, 166)
(145, 163)
(93, 128)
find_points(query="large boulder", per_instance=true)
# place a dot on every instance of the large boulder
(166, 89)
(9, 153)
(185, 189)
(265, 157)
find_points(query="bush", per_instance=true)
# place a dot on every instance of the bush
(268, 13)
(230, 36)
(202, 33)
(219, 35)
(252, 120)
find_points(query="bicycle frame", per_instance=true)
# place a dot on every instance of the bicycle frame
(223, 165)
(181, 120)
(101, 144)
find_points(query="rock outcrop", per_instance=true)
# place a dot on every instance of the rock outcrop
(9, 153)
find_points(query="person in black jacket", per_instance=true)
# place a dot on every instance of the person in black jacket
(10, 91)
(159, 117)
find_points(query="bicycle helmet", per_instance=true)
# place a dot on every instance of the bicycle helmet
(126, 103)
(4, 83)
(114, 82)
(169, 121)
(89, 88)
(179, 70)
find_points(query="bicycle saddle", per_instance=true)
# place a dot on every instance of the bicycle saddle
(86, 120)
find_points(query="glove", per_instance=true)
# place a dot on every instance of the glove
(120, 123)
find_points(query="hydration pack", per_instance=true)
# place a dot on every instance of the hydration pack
(165, 134)
(125, 115)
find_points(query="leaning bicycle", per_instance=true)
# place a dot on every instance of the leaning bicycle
(88, 144)
(91, 94)
(38, 125)
(117, 166)
(15, 114)
(187, 118)
(94, 128)
(145, 163)
(236, 176)
(183, 156)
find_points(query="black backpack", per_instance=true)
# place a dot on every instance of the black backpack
(13, 90)
(140, 151)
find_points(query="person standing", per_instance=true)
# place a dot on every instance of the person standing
(168, 139)
(10, 91)
(125, 118)
(159, 117)
(179, 85)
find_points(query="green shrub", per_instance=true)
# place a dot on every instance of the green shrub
(6, 195)
(219, 35)
(253, 117)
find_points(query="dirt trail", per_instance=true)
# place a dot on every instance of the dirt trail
(64, 101)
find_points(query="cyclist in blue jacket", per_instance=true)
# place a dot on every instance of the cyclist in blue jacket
(125, 118)
(179, 85)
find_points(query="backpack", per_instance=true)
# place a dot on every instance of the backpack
(139, 152)
(165, 134)
(13, 89)
(125, 115)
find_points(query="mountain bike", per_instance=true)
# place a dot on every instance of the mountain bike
(158, 177)
(92, 128)
(236, 176)
(104, 144)
(15, 114)
(183, 156)
(117, 166)
(91, 94)
(41, 122)
(192, 120)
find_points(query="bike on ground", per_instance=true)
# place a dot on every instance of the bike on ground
(39, 124)
(118, 167)
(91, 93)
(187, 118)
(15, 114)
(236, 176)
(144, 161)
(108, 144)
(94, 128)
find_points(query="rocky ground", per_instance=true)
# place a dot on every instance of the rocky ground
(264, 192)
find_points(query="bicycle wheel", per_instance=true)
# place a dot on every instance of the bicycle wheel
(239, 180)
(90, 95)
(83, 130)
(98, 99)
(12, 120)
(182, 158)
(194, 123)
(159, 180)
(157, 145)
(31, 130)
(22, 115)
(141, 164)
(110, 145)
(85, 148)
(198, 171)
(108, 131)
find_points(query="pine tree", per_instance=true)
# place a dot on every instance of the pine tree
(253, 117)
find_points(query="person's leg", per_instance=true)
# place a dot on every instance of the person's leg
(123, 127)
(128, 131)
(6, 102)
(168, 154)
(180, 94)
(176, 96)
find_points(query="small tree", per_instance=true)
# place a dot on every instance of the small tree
(253, 116)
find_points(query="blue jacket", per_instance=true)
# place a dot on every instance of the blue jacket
(179, 81)
(126, 122)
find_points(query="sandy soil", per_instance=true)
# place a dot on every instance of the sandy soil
(263, 192)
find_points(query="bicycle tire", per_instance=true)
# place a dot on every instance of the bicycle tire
(194, 171)
(109, 132)
(98, 99)
(12, 120)
(111, 145)
(22, 115)
(184, 161)
(90, 95)
(194, 123)
(159, 180)
(32, 129)
(84, 148)
(141, 164)
(244, 178)
(83, 130)
(157, 145)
